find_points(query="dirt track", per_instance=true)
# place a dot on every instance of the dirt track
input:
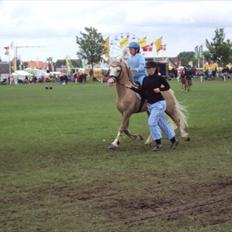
(206, 204)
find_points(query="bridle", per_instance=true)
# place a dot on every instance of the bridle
(116, 78)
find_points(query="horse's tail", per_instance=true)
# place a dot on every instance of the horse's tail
(177, 112)
(181, 111)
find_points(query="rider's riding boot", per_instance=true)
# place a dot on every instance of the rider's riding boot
(158, 145)
(174, 142)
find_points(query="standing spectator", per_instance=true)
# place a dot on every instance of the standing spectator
(76, 75)
(65, 79)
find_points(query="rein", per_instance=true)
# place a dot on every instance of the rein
(118, 82)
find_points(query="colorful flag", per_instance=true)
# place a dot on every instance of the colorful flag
(69, 65)
(143, 42)
(190, 63)
(164, 47)
(6, 52)
(14, 64)
(124, 42)
(106, 47)
(11, 45)
(148, 48)
(158, 43)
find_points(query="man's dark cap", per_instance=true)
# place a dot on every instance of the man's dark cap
(151, 64)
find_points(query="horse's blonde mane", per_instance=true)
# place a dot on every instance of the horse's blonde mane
(118, 61)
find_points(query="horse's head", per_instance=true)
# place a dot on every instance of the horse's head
(118, 70)
(115, 70)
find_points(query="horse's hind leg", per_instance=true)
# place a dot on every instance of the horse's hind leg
(186, 86)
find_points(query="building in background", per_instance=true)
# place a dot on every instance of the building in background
(4, 71)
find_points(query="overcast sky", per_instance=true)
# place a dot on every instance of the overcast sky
(53, 25)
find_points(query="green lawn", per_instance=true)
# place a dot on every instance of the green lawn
(57, 174)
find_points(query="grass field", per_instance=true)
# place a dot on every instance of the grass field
(56, 173)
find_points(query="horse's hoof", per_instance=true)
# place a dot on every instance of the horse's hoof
(148, 144)
(113, 147)
(137, 137)
(187, 139)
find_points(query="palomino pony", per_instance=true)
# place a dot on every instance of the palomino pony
(128, 102)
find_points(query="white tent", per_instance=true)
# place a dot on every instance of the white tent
(37, 72)
(21, 74)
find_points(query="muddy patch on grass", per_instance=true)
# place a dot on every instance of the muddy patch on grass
(202, 204)
(188, 204)
(206, 204)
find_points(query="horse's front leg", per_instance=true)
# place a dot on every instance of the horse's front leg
(115, 143)
(123, 127)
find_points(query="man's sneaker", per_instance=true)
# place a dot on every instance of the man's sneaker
(174, 145)
(157, 147)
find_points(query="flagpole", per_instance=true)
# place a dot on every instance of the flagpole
(9, 68)
(15, 58)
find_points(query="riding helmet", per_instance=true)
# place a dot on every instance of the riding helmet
(134, 45)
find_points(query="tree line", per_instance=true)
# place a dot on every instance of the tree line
(219, 50)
